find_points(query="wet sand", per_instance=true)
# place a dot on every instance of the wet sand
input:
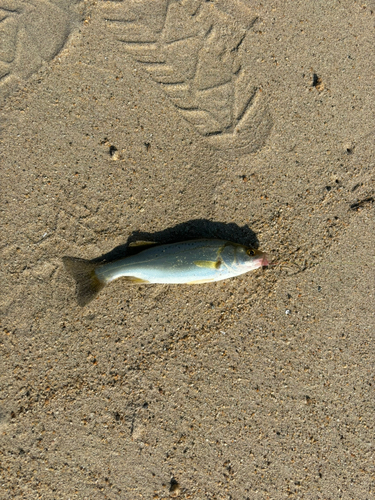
(239, 120)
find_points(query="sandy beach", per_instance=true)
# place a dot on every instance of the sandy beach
(166, 121)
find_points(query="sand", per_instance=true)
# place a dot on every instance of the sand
(250, 121)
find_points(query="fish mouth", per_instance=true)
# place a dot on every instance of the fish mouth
(265, 261)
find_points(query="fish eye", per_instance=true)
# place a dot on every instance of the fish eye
(250, 252)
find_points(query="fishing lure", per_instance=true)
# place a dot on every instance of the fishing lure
(189, 262)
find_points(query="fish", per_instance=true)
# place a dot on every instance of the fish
(188, 262)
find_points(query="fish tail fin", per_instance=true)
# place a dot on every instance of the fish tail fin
(88, 284)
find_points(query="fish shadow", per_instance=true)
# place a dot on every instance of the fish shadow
(190, 230)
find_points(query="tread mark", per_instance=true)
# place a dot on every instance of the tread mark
(194, 50)
(24, 41)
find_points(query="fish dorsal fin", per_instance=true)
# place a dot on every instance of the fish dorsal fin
(210, 264)
(142, 243)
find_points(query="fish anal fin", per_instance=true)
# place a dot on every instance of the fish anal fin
(134, 279)
(210, 264)
(198, 282)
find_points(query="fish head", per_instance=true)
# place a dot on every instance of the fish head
(249, 259)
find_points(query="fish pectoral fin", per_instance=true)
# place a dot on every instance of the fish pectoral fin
(134, 279)
(210, 264)
(197, 282)
(142, 243)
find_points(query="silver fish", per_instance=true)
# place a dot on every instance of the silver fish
(189, 262)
